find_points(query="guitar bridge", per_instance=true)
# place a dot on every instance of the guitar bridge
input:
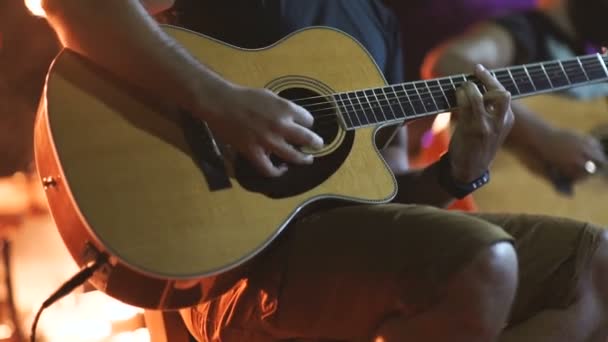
(206, 153)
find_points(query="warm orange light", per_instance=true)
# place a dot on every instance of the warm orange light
(35, 6)
(442, 121)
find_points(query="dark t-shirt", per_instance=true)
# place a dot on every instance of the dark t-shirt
(259, 23)
(536, 37)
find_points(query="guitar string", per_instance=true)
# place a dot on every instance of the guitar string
(355, 119)
(554, 64)
(551, 65)
(418, 101)
(417, 95)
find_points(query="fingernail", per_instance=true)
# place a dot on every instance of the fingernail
(480, 67)
(320, 143)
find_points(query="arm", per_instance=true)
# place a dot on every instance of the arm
(120, 36)
(492, 46)
(478, 135)
(556, 154)
(422, 187)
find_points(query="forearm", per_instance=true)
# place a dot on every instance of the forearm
(121, 37)
(422, 187)
(527, 128)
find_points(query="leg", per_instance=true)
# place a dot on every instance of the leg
(345, 273)
(563, 281)
(475, 305)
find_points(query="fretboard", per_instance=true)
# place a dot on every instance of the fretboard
(399, 102)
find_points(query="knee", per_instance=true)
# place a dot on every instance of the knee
(491, 280)
(599, 267)
(495, 268)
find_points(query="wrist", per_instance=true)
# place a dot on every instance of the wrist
(453, 184)
(211, 94)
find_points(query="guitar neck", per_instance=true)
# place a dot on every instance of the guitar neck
(405, 101)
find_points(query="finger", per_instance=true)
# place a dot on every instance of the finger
(596, 152)
(261, 161)
(576, 170)
(489, 81)
(301, 115)
(464, 107)
(288, 153)
(301, 136)
(497, 102)
(475, 98)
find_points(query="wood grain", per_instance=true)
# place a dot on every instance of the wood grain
(515, 189)
(129, 184)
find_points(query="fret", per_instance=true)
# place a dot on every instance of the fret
(358, 108)
(559, 63)
(376, 105)
(373, 113)
(556, 75)
(594, 67)
(389, 112)
(368, 109)
(449, 91)
(405, 100)
(416, 100)
(603, 61)
(328, 111)
(346, 120)
(539, 77)
(522, 81)
(546, 74)
(507, 81)
(457, 81)
(514, 83)
(529, 77)
(433, 103)
(348, 110)
(582, 68)
(395, 102)
(423, 97)
(441, 100)
(574, 71)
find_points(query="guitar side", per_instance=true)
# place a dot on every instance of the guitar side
(123, 179)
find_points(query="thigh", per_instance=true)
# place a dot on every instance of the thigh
(338, 274)
(552, 253)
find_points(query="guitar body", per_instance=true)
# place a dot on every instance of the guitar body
(512, 183)
(139, 181)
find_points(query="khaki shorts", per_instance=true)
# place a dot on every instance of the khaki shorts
(336, 275)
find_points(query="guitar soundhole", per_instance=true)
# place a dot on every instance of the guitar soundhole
(302, 178)
(321, 108)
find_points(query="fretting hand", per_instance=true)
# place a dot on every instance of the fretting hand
(484, 122)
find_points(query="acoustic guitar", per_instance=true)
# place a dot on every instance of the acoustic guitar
(135, 179)
(512, 183)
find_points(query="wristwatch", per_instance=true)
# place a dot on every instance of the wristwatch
(454, 187)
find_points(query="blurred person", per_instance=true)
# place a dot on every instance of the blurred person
(558, 29)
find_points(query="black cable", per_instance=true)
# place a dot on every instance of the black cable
(10, 297)
(69, 286)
